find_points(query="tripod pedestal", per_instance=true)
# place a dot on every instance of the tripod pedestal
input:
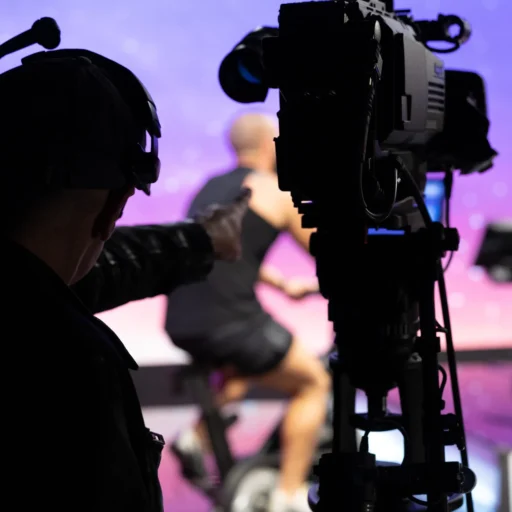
(376, 322)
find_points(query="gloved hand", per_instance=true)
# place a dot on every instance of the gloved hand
(224, 226)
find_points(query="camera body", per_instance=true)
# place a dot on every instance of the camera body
(326, 59)
(322, 47)
(354, 82)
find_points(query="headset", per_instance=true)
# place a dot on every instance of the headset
(143, 167)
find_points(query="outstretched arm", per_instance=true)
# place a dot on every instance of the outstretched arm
(301, 235)
(145, 261)
(272, 277)
(295, 288)
(298, 288)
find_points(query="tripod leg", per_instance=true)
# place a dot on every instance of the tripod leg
(344, 406)
(410, 386)
(429, 347)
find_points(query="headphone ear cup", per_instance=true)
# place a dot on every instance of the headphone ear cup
(148, 167)
(144, 168)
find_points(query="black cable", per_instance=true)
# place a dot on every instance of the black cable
(448, 187)
(439, 327)
(452, 366)
(448, 261)
(415, 191)
(444, 379)
(378, 218)
(450, 349)
(405, 435)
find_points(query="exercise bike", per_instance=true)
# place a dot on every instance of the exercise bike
(243, 484)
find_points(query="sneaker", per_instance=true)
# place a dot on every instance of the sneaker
(281, 502)
(187, 449)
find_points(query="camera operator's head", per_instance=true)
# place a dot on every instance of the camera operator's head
(63, 118)
(252, 139)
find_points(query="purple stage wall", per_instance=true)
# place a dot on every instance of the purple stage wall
(175, 47)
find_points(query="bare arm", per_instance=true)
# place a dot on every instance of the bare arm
(272, 277)
(300, 287)
(294, 226)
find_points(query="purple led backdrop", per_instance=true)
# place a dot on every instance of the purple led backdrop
(175, 48)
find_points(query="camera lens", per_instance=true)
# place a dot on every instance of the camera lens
(250, 69)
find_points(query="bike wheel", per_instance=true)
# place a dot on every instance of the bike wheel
(249, 485)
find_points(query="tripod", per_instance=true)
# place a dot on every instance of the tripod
(375, 313)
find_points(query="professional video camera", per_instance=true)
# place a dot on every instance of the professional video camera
(366, 110)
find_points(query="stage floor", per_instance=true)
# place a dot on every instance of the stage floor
(487, 398)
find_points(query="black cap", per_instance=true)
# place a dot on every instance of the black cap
(64, 124)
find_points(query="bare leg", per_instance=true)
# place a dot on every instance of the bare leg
(304, 378)
(191, 444)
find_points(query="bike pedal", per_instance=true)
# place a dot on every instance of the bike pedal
(206, 486)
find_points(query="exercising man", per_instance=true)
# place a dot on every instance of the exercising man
(221, 322)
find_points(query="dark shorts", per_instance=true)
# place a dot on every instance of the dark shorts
(252, 348)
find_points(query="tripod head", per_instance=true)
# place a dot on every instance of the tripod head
(366, 111)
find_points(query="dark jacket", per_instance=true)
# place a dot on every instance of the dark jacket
(145, 261)
(73, 435)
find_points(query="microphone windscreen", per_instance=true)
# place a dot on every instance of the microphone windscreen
(47, 33)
